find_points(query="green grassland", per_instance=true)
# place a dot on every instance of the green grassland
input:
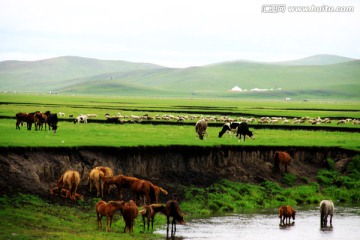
(29, 217)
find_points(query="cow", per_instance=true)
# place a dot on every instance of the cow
(52, 121)
(200, 128)
(230, 127)
(243, 129)
(81, 119)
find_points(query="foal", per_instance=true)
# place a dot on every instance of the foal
(149, 213)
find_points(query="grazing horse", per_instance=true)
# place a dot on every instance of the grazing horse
(229, 127)
(95, 179)
(200, 128)
(326, 209)
(71, 179)
(283, 158)
(149, 213)
(108, 210)
(20, 118)
(286, 213)
(130, 212)
(172, 209)
(243, 129)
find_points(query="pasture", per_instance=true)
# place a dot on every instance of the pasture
(101, 134)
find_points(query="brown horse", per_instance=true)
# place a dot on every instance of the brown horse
(95, 179)
(40, 119)
(65, 193)
(286, 213)
(70, 179)
(130, 212)
(140, 188)
(108, 172)
(283, 158)
(20, 118)
(114, 180)
(149, 213)
(172, 209)
(108, 210)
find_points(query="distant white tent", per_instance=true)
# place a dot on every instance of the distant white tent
(236, 89)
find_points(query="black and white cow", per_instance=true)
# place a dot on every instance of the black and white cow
(243, 129)
(81, 119)
(229, 127)
(200, 128)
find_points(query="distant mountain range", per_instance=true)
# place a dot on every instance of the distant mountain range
(319, 76)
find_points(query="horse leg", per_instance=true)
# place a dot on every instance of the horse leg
(331, 220)
(111, 217)
(152, 224)
(286, 168)
(167, 226)
(107, 222)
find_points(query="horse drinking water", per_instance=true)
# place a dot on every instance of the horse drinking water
(326, 209)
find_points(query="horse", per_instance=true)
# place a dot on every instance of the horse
(130, 212)
(108, 210)
(285, 214)
(20, 118)
(149, 212)
(95, 179)
(283, 158)
(71, 179)
(326, 209)
(172, 209)
(200, 128)
(40, 119)
(140, 188)
(115, 180)
(108, 172)
(65, 193)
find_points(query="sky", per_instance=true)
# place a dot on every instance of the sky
(177, 33)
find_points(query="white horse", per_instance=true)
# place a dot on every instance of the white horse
(326, 209)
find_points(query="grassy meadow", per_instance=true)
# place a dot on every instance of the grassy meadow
(100, 134)
(30, 217)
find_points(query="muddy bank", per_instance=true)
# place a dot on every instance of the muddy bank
(33, 170)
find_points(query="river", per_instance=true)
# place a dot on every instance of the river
(265, 225)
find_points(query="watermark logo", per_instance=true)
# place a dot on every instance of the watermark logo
(282, 8)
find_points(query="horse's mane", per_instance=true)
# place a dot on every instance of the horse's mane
(116, 203)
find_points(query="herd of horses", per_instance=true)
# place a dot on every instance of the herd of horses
(39, 119)
(326, 210)
(145, 194)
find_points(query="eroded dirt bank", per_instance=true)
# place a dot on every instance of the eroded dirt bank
(33, 170)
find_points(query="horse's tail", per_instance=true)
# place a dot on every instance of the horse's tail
(164, 191)
(322, 213)
(276, 162)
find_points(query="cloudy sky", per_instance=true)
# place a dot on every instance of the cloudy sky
(176, 33)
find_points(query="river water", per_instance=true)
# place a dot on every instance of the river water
(265, 225)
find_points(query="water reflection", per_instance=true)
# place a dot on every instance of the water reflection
(346, 222)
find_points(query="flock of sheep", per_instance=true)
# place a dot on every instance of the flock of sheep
(119, 118)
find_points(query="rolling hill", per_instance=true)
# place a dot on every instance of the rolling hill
(319, 76)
